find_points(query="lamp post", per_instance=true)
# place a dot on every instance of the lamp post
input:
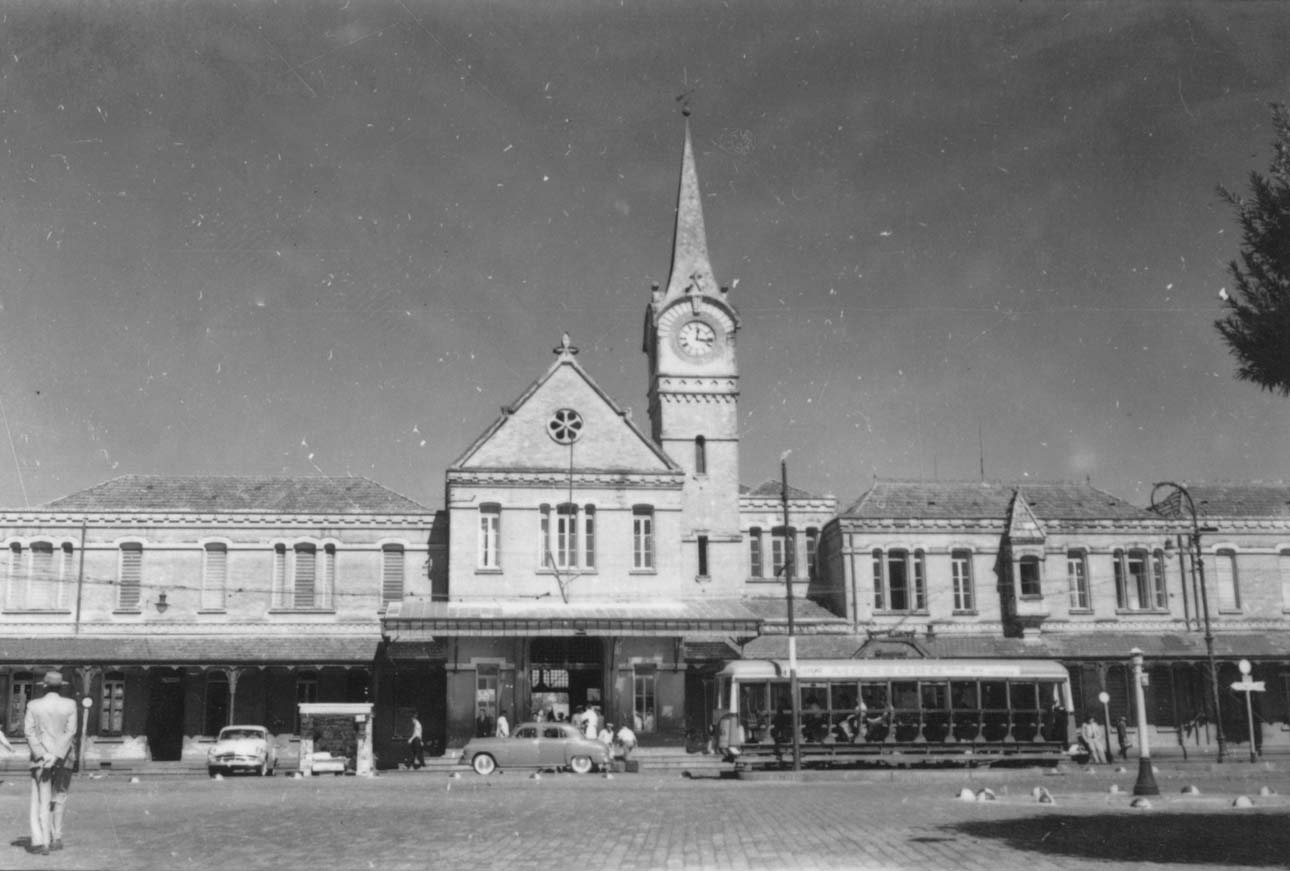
(792, 639)
(1175, 501)
(1146, 784)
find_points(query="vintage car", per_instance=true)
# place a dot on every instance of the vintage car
(552, 746)
(242, 748)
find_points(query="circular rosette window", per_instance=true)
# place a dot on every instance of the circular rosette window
(565, 426)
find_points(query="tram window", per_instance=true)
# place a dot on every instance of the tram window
(1023, 697)
(994, 694)
(781, 696)
(752, 699)
(1050, 695)
(904, 694)
(874, 695)
(935, 696)
(964, 694)
(843, 696)
(814, 696)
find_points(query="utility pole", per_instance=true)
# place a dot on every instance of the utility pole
(789, 547)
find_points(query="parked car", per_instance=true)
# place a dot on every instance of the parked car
(242, 748)
(536, 745)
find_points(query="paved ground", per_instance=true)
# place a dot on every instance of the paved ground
(903, 819)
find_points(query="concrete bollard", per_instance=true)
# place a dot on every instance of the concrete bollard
(1190, 789)
(1043, 796)
(1115, 787)
(1267, 790)
(1140, 802)
(985, 795)
(1242, 801)
(966, 794)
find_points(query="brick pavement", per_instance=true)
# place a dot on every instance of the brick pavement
(894, 820)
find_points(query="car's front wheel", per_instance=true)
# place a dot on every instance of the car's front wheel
(483, 764)
(212, 770)
(580, 764)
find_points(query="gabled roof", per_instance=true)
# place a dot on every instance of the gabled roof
(1241, 500)
(208, 494)
(989, 500)
(592, 451)
(1023, 526)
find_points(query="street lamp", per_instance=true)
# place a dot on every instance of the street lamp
(1174, 502)
(1146, 784)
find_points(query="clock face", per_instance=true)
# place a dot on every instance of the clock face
(697, 339)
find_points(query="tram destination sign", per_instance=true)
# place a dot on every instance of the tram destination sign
(1249, 686)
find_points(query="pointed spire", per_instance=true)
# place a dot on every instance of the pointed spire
(691, 269)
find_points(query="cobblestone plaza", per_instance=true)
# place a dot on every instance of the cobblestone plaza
(664, 821)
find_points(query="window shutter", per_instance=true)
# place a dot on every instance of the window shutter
(306, 563)
(392, 575)
(131, 577)
(213, 582)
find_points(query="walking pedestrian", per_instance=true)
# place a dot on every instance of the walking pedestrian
(416, 750)
(1122, 735)
(50, 727)
(503, 725)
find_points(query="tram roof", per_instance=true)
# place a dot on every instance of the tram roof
(879, 669)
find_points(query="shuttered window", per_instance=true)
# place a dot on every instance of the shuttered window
(131, 577)
(214, 577)
(306, 576)
(391, 573)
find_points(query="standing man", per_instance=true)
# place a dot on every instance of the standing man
(50, 725)
(503, 725)
(416, 753)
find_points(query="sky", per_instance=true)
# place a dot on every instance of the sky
(336, 236)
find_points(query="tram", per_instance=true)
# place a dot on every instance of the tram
(858, 711)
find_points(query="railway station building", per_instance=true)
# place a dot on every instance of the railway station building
(587, 557)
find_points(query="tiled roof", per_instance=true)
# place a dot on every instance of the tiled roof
(775, 608)
(1241, 500)
(410, 619)
(775, 489)
(989, 500)
(178, 650)
(202, 494)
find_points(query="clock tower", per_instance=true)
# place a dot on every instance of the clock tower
(690, 328)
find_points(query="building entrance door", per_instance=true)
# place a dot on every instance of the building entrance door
(565, 674)
(166, 714)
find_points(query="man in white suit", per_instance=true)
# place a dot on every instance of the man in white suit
(50, 725)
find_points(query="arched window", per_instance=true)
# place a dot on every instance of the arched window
(214, 577)
(899, 580)
(961, 572)
(490, 532)
(643, 537)
(756, 561)
(1229, 589)
(1140, 580)
(700, 455)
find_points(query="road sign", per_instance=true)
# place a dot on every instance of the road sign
(1249, 686)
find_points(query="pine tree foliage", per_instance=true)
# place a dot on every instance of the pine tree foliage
(1256, 326)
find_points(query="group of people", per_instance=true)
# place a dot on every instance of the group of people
(49, 726)
(1094, 739)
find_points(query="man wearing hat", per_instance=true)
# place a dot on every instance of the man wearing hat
(50, 725)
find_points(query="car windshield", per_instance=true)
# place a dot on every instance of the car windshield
(233, 734)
